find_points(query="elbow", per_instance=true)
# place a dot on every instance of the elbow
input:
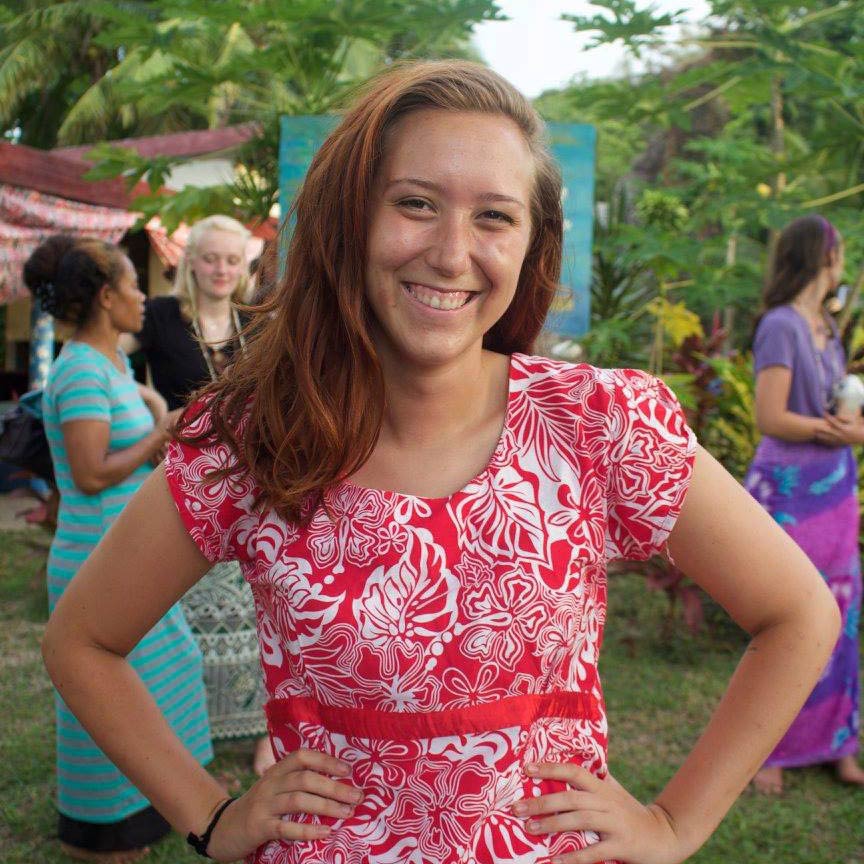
(767, 425)
(89, 484)
(52, 652)
(826, 621)
(834, 622)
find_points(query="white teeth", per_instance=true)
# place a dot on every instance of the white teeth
(436, 300)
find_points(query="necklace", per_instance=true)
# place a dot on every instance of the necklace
(205, 348)
(825, 387)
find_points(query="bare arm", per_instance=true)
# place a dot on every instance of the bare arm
(156, 405)
(731, 547)
(142, 566)
(773, 384)
(93, 467)
(774, 418)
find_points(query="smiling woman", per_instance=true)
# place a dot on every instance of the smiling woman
(450, 224)
(425, 513)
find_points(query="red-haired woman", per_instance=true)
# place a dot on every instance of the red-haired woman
(425, 512)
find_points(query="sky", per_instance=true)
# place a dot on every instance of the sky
(537, 51)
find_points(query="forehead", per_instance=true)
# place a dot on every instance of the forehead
(471, 151)
(221, 243)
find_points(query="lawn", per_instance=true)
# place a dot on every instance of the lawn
(660, 686)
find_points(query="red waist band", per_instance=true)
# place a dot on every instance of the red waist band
(405, 726)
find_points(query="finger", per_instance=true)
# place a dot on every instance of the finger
(316, 760)
(305, 802)
(574, 775)
(557, 802)
(316, 784)
(572, 821)
(838, 423)
(609, 780)
(285, 829)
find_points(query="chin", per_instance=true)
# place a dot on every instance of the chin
(431, 355)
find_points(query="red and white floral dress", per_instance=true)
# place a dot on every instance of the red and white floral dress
(440, 644)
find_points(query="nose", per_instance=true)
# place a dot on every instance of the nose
(450, 251)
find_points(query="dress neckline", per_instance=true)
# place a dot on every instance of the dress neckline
(487, 469)
(72, 343)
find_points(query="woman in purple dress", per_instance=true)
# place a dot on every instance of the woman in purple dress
(804, 474)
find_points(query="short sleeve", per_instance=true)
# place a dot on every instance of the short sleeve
(651, 454)
(219, 512)
(82, 392)
(774, 343)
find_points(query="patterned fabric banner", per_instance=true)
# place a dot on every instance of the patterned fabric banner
(28, 217)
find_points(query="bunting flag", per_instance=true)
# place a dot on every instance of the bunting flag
(28, 217)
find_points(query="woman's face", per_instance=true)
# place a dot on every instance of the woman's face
(125, 301)
(836, 265)
(218, 263)
(450, 224)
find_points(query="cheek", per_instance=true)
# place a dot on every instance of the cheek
(393, 242)
(505, 259)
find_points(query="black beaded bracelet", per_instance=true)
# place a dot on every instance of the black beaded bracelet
(200, 842)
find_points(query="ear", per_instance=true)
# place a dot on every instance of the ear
(105, 297)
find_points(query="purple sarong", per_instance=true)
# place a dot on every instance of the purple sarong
(811, 491)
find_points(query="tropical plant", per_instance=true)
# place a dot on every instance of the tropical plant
(86, 71)
(752, 121)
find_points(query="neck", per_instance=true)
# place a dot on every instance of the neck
(811, 297)
(99, 334)
(218, 309)
(429, 405)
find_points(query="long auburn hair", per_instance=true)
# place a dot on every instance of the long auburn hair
(303, 408)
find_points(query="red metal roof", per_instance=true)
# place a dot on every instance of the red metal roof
(46, 171)
(195, 143)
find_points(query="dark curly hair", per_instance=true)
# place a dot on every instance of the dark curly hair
(65, 274)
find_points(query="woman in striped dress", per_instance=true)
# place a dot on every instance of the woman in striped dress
(103, 441)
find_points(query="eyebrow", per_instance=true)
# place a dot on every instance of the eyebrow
(490, 197)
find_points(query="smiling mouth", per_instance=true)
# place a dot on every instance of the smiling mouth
(445, 301)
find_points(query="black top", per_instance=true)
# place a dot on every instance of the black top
(172, 351)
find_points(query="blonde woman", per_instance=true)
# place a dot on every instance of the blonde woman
(188, 338)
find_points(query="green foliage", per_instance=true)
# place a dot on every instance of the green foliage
(658, 208)
(760, 122)
(730, 433)
(619, 141)
(636, 28)
(84, 71)
(196, 64)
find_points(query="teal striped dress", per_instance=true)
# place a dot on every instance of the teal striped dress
(84, 385)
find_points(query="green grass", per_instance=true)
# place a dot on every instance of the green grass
(27, 815)
(661, 684)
